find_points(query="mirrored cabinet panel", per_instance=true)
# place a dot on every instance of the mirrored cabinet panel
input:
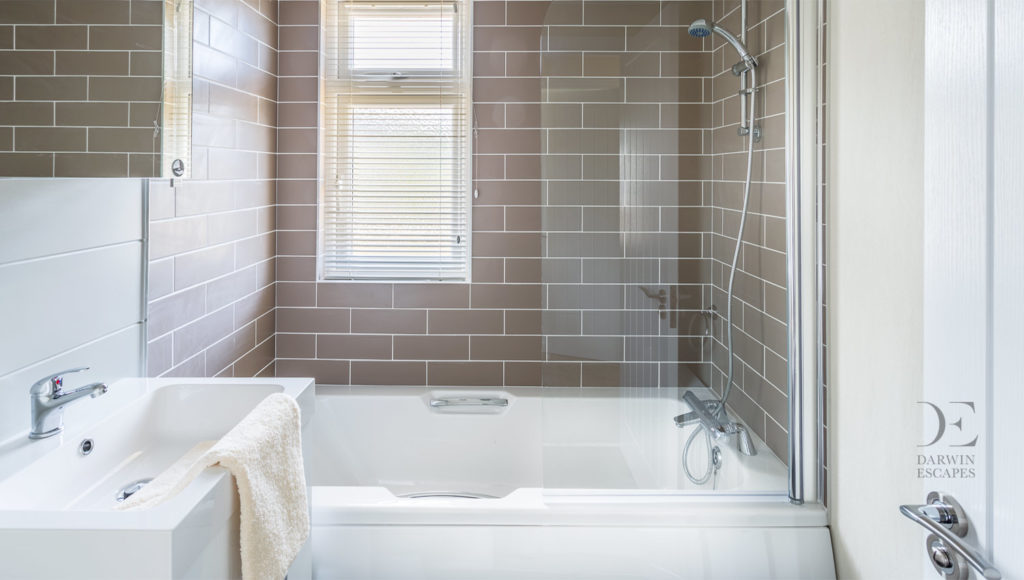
(95, 88)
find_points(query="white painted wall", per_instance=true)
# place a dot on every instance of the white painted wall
(876, 134)
(71, 256)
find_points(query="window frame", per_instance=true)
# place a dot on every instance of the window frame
(338, 84)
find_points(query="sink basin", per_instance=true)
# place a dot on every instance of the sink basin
(52, 493)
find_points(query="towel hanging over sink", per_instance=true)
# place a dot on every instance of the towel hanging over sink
(264, 454)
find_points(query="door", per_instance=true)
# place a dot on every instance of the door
(970, 451)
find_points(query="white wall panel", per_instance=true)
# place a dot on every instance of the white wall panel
(42, 217)
(71, 272)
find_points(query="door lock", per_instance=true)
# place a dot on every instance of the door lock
(948, 564)
(945, 519)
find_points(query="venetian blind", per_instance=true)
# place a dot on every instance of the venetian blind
(397, 140)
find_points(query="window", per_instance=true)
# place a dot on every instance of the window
(397, 141)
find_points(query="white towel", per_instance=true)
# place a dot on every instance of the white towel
(264, 453)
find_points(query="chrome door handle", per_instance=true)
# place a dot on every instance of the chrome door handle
(469, 402)
(945, 519)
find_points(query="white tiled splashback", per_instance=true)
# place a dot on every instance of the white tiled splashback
(71, 272)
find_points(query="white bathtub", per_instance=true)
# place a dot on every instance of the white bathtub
(558, 483)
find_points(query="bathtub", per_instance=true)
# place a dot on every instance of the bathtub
(525, 483)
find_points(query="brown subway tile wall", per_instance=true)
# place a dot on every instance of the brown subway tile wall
(594, 189)
(80, 87)
(760, 376)
(212, 237)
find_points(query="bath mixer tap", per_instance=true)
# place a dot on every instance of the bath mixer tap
(48, 400)
(716, 421)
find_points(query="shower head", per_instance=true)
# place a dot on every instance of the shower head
(703, 27)
(699, 28)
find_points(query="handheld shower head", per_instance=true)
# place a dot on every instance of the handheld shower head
(703, 27)
(699, 28)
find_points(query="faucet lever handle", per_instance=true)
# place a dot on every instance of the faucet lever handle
(53, 383)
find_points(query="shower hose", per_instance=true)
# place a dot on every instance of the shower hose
(719, 407)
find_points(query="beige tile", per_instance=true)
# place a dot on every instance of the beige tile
(299, 37)
(522, 64)
(465, 321)
(389, 321)
(523, 374)
(506, 296)
(6, 88)
(354, 294)
(488, 64)
(125, 89)
(297, 89)
(488, 270)
(51, 37)
(296, 294)
(296, 268)
(92, 63)
(489, 90)
(504, 348)
(554, 64)
(125, 38)
(586, 38)
(488, 219)
(325, 372)
(49, 139)
(509, 141)
(612, 13)
(560, 374)
(630, 64)
(431, 347)
(521, 38)
(586, 90)
(146, 64)
(464, 374)
(6, 138)
(147, 11)
(6, 37)
(26, 12)
(488, 13)
(93, 11)
(431, 295)
(522, 270)
(26, 164)
(601, 374)
(296, 243)
(102, 139)
(527, 12)
(340, 346)
(90, 165)
(389, 373)
(334, 320)
(523, 321)
(294, 12)
(507, 244)
(51, 88)
(26, 62)
(658, 90)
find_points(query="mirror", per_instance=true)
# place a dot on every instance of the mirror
(92, 88)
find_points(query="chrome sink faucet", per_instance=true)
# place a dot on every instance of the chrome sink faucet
(710, 415)
(48, 400)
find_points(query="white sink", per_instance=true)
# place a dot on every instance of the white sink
(52, 495)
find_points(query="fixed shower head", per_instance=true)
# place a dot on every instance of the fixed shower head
(699, 28)
(703, 27)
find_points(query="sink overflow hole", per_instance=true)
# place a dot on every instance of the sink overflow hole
(132, 488)
(85, 447)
